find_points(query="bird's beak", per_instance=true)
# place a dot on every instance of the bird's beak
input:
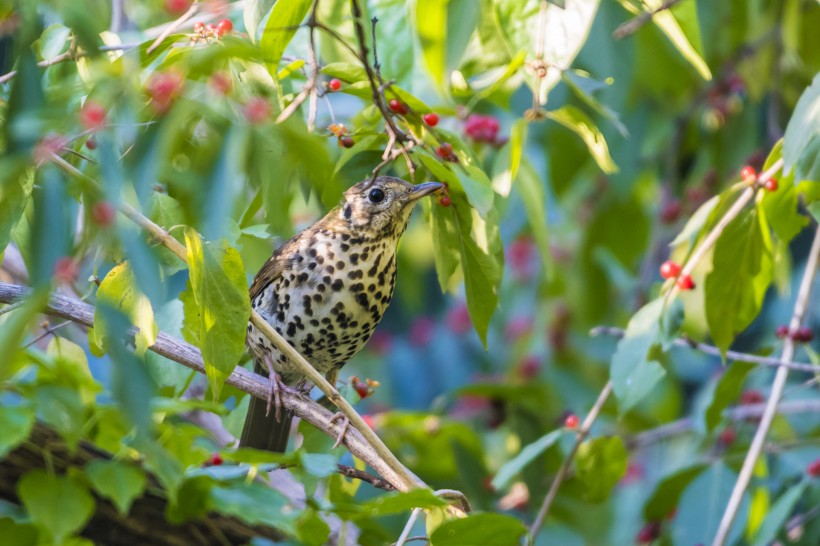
(420, 190)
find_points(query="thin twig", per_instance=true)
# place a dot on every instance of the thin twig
(47, 332)
(539, 66)
(712, 350)
(168, 30)
(12, 307)
(357, 474)
(631, 26)
(582, 433)
(309, 90)
(376, 66)
(69, 55)
(411, 521)
(712, 237)
(736, 413)
(774, 397)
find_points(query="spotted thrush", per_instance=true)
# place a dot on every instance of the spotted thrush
(324, 291)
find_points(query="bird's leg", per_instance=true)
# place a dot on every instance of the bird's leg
(276, 387)
(345, 424)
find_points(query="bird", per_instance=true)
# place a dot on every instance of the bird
(325, 290)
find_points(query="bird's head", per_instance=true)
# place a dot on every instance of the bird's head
(382, 205)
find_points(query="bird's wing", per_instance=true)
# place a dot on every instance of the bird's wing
(272, 269)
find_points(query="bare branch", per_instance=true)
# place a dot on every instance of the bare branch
(171, 28)
(357, 474)
(774, 396)
(582, 433)
(712, 350)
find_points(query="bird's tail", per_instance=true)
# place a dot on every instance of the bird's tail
(263, 431)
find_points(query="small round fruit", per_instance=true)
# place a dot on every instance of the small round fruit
(670, 211)
(782, 331)
(210, 28)
(803, 335)
(199, 27)
(445, 152)
(91, 144)
(670, 269)
(445, 201)
(771, 185)
(92, 115)
(397, 106)
(215, 460)
(334, 84)
(221, 83)
(257, 110)
(103, 213)
(65, 270)
(176, 6)
(347, 142)
(571, 422)
(224, 27)
(751, 396)
(813, 469)
(361, 390)
(727, 437)
(685, 282)
(430, 119)
(748, 173)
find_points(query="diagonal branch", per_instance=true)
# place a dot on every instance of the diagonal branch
(631, 26)
(775, 394)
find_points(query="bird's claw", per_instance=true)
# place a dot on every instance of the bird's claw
(345, 424)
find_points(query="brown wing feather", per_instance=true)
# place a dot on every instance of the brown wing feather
(272, 268)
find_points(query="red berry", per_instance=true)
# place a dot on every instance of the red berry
(221, 83)
(199, 27)
(215, 460)
(176, 6)
(397, 106)
(445, 201)
(65, 270)
(727, 437)
(482, 128)
(813, 469)
(530, 367)
(361, 389)
(751, 397)
(164, 88)
(334, 84)
(771, 185)
(670, 269)
(445, 152)
(430, 119)
(685, 283)
(803, 335)
(748, 173)
(103, 213)
(91, 144)
(369, 420)
(670, 211)
(782, 331)
(571, 421)
(648, 533)
(223, 27)
(92, 115)
(347, 141)
(257, 110)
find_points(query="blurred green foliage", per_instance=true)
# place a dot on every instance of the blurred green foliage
(579, 155)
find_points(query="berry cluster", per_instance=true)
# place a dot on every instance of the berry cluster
(445, 152)
(363, 388)
(482, 129)
(672, 270)
(749, 176)
(211, 31)
(803, 334)
(340, 131)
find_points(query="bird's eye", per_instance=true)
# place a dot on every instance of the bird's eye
(376, 195)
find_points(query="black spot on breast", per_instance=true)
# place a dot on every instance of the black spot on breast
(363, 300)
(314, 322)
(312, 252)
(320, 259)
(340, 265)
(320, 287)
(302, 277)
(345, 237)
(280, 316)
(326, 320)
(291, 331)
(337, 285)
(371, 287)
(354, 258)
(317, 298)
(345, 247)
(356, 287)
(326, 279)
(356, 274)
(312, 265)
(348, 211)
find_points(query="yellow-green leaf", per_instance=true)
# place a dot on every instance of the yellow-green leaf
(578, 122)
(119, 290)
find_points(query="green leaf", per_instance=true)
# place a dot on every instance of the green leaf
(63, 409)
(19, 534)
(283, 21)
(13, 329)
(431, 28)
(397, 502)
(116, 480)
(253, 14)
(447, 255)
(578, 122)
(41, 492)
(509, 159)
(781, 210)
(802, 130)
(668, 492)
(255, 503)
(701, 507)
(742, 270)
(348, 72)
(320, 465)
(778, 514)
(219, 287)
(696, 222)
(477, 187)
(635, 367)
(726, 391)
(532, 195)
(52, 228)
(16, 182)
(527, 455)
(119, 290)
(16, 423)
(599, 464)
(71, 369)
(483, 528)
